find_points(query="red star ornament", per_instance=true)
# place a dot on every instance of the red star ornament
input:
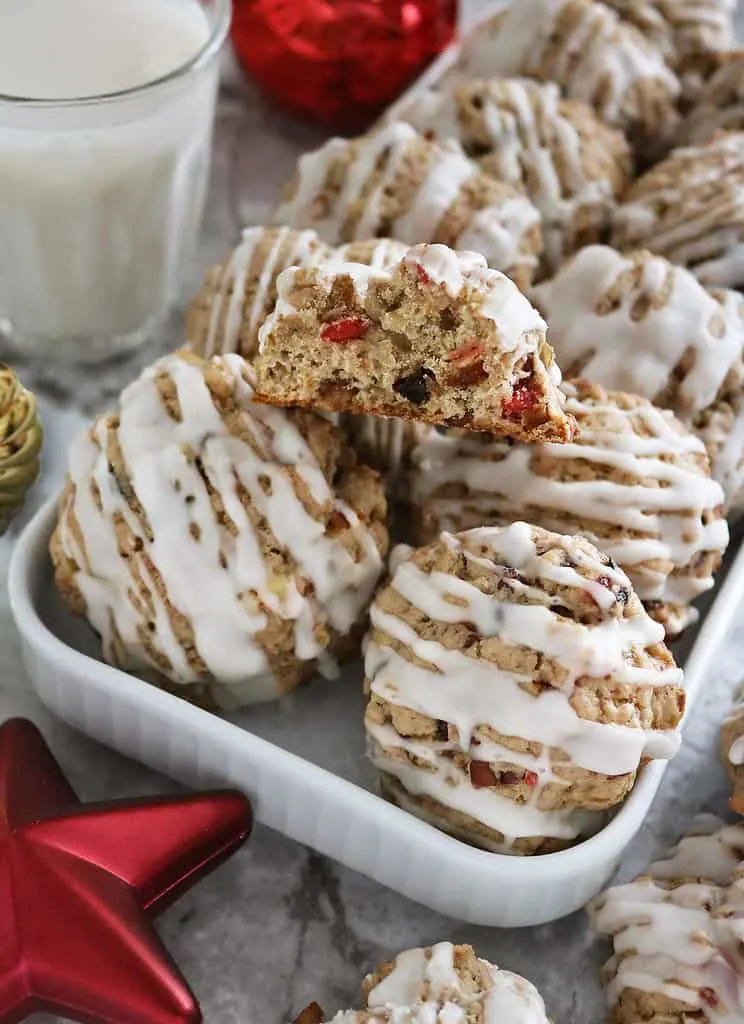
(79, 884)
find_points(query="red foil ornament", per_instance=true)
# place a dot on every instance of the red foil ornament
(79, 884)
(339, 63)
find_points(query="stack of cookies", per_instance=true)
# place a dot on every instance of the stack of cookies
(508, 314)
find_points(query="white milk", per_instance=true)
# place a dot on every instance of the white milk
(100, 201)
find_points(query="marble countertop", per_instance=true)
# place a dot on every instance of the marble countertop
(278, 925)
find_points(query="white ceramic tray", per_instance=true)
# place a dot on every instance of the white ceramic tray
(302, 761)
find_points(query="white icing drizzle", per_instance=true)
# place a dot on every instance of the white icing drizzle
(386, 253)
(659, 511)
(187, 543)
(681, 941)
(548, 167)
(305, 248)
(700, 191)
(620, 349)
(467, 692)
(603, 61)
(499, 228)
(428, 978)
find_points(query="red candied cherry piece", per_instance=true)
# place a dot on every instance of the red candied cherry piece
(709, 997)
(531, 778)
(522, 399)
(469, 350)
(421, 274)
(348, 328)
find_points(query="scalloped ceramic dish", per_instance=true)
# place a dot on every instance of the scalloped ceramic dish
(302, 760)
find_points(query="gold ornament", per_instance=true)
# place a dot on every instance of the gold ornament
(20, 443)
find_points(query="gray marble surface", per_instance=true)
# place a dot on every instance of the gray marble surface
(278, 925)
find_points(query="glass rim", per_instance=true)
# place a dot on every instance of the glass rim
(198, 60)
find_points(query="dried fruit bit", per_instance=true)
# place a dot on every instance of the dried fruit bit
(531, 778)
(416, 386)
(347, 329)
(312, 1014)
(421, 274)
(467, 375)
(522, 399)
(469, 350)
(482, 775)
(709, 997)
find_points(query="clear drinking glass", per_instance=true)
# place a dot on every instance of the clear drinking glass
(101, 201)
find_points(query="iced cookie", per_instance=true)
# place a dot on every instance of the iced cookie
(637, 323)
(720, 106)
(237, 295)
(635, 481)
(690, 208)
(515, 685)
(225, 549)
(691, 34)
(677, 938)
(396, 183)
(439, 339)
(444, 984)
(593, 56)
(732, 753)
(571, 165)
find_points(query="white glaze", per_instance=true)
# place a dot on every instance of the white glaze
(603, 62)
(513, 112)
(681, 941)
(736, 750)
(659, 512)
(704, 235)
(467, 692)
(171, 492)
(429, 976)
(499, 229)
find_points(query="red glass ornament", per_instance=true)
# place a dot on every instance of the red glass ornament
(78, 885)
(339, 62)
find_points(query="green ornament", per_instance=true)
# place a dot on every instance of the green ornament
(20, 444)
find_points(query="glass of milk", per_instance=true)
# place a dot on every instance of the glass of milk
(106, 114)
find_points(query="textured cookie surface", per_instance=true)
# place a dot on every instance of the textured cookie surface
(676, 934)
(396, 183)
(639, 324)
(445, 984)
(223, 548)
(635, 481)
(440, 339)
(593, 56)
(690, 208)
(720, 105)
(559, 152)
(515, 684)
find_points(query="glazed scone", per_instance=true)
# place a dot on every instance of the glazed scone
(691, 34)
(592, 55)
(386, 443)
(720, 106)
(677, 937)
(439, 339)
(690, 209)
(445, 984)
(571, 165)
(224, 549)
(238, 294)
(396, 183)
(732, 753)
(634, 481)
(639, 324)
(515, 685)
